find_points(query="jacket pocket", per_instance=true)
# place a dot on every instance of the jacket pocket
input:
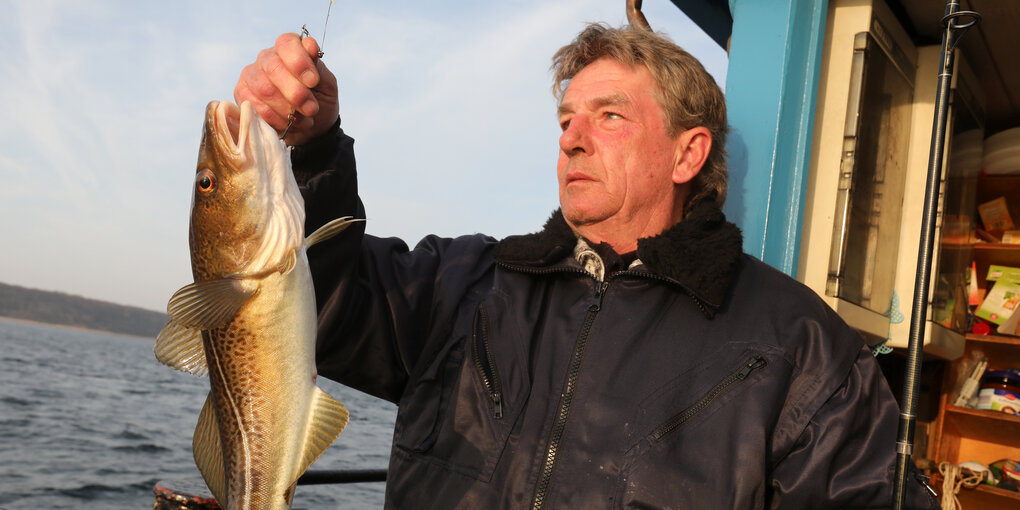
(719, 410)
(485, 364)
(755, 362)
(470, 427)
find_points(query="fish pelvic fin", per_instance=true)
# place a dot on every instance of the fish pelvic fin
(329, 417)
(208, 453)
(180, 347)
(329, 230)
(210, 304)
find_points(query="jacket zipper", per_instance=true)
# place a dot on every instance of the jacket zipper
(556, 435)
(652, 276)
(566, 398)
(676, 421)
(485, 364)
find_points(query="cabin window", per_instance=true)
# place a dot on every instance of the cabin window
(865, 243)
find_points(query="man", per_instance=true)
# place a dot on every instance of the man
(628, 355)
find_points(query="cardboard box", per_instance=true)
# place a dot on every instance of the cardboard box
(995, 215)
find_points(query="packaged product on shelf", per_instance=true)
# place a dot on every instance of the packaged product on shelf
(1000, 391)
(1002, 299)
(995, 215)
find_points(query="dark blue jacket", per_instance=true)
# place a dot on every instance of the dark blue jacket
(701, 378)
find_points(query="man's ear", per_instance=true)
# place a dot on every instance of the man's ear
(692, 146)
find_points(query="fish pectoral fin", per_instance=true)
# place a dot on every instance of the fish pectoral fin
(288, 262)
(210, 304)
(329, 417)
(329, 230)
(205, 446)
(180, 347)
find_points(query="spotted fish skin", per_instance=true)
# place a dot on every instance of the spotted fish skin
(249, 318)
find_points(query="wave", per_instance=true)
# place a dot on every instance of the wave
(94, 491)
(142, 448)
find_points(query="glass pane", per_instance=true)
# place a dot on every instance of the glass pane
(875, 153)
(963, 165)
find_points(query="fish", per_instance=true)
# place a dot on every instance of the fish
(248, 320)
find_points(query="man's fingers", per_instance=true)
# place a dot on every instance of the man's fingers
(274, 118)
(289, 78)
(300, 57)
(288, 86)
(265, 89)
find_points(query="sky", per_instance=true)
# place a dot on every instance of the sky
(103, 103)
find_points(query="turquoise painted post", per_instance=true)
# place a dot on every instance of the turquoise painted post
(771, 88)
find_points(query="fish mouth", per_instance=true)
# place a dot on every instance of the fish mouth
(229, 127)
(224, 120)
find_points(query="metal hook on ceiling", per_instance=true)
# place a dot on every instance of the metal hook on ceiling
(635, 17)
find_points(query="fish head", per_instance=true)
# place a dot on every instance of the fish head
(247, 214)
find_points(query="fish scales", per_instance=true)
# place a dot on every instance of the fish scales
(249, 319)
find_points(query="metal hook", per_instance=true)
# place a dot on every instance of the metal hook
(290, 122)
(635, 17)
(304, 33)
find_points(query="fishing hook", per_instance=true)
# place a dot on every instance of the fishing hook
(304, 33)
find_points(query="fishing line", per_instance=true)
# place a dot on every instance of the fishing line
(304, 33)
(322, 40)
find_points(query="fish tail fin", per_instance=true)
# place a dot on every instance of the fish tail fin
(205, 446)
(329, 417)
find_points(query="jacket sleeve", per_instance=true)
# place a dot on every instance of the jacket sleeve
(375, 297)
(845, 457)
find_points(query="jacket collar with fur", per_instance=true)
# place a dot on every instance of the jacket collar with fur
(701, 253)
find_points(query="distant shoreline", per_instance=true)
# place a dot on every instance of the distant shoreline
(74, 328)
(67, 310)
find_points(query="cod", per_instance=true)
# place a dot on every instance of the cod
(249, 318)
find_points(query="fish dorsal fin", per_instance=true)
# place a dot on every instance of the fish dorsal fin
(329, 417)
(208, 453)
(180, 347)
(210, 304)
(329, 230)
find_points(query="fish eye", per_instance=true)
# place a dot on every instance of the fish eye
(206, 181)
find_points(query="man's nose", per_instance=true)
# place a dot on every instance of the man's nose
(574, 138)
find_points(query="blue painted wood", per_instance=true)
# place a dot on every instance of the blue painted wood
(771, 89)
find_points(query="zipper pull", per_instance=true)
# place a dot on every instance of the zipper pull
(755, 363)
(600, 292)
(497, 402)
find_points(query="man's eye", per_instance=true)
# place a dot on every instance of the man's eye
(564, 124)
(614, 116)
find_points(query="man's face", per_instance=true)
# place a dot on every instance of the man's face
(616, 161)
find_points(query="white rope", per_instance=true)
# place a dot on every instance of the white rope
(953, 477)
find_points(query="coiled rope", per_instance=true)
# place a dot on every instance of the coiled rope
(954, 477)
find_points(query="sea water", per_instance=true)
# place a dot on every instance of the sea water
(92, 420)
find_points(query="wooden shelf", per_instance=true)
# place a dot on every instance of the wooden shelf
(995, 491)
(1000, 254)
(995, 426)
(962, 434)
(995, 339)
(986, 496)
(1003, 352)
(981, 497)
(988, 254)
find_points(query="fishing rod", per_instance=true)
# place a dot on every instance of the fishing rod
(951, 35)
